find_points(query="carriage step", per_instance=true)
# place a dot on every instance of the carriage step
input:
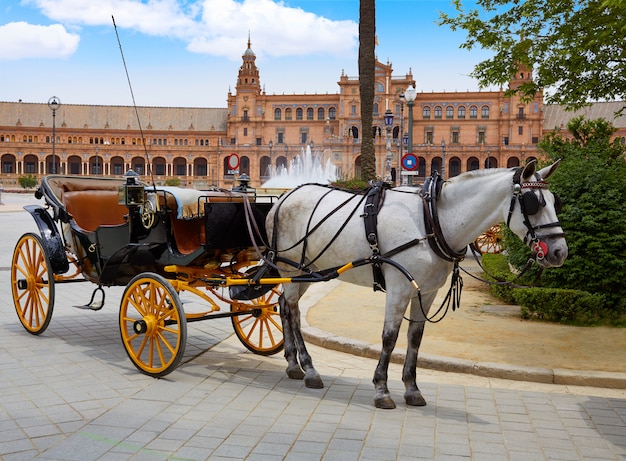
(93, 304)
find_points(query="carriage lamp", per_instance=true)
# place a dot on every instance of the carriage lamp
(243, 187)
(131, 193)
(388, 124)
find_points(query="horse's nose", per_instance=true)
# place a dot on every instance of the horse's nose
(559, 254)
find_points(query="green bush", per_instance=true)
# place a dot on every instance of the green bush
(175, 182)
(497, 268)
(27, 182)
(352, 185)
(560, 305)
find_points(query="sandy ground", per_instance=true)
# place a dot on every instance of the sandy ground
(481, 330)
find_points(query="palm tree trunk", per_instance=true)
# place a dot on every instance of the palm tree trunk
(367, 62)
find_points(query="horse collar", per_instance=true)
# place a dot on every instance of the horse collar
(430, 193)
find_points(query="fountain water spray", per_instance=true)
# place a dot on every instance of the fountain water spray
(304, 168)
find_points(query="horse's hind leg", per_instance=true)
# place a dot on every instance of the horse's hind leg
(294, 342)
(412, 394)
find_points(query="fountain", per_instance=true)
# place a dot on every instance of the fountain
(303, 168)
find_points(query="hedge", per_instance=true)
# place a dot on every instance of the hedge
(577, 307)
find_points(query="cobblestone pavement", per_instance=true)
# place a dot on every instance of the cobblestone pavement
(73, 394)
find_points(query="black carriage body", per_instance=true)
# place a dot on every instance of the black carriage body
(103, 227)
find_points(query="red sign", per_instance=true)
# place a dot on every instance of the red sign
(410, 162)
(233, 161)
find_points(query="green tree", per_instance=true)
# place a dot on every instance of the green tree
(367, 63)
(590, 182)
(576, 47)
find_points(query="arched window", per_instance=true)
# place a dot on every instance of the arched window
(426, 112)
(484, 112)
(299, 113)
(438, 112)
(309, 113)
(460, 113)
(320, 113)
(449, 112)
(277, 114)
(288, 113)
(473, 112)
(332, 113)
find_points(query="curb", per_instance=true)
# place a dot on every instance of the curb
(322, 338)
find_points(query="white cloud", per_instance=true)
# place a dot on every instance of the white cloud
(276, 29)
(215, 27)
(21, 40)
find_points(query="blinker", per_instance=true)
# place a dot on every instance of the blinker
(530, 202)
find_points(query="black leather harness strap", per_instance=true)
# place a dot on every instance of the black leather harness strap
(374, 199)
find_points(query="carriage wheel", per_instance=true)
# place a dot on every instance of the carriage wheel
(153, 325)
(490, 240)
(32, 284)
(260, 330)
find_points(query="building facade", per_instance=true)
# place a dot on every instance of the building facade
(451, 132)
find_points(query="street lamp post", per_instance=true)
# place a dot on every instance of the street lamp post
(400, 141)
(270, 145)
(410, 95)
(54, 103)
(388, 124)
(443, 159)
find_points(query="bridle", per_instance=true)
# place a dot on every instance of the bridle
(530, 203)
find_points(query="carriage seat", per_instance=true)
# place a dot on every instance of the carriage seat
(188, 221)
(94, 208)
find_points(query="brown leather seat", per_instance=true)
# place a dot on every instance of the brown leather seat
(94, 208)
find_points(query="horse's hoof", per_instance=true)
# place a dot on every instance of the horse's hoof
(314, 382)
(295, 373)
(415, 399)
(386, 403)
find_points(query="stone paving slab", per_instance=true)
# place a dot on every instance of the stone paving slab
(72, 394)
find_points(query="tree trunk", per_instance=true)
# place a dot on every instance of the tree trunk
(367, 62)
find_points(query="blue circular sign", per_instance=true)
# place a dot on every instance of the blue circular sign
(410, 162)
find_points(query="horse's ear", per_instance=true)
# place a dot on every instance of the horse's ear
(529, 170)
(547, 171)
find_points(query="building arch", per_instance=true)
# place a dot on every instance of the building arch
(179, 166)
(472, 164)
(9, 164)
(116, 166)
(454, 167)
(512, 162)
(200, 167)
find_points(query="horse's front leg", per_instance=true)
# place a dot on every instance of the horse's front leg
(412, 394)
(293, 340)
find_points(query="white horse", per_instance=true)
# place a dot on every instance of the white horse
(317, 227)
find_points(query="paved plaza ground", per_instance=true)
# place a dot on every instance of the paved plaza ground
(73, 394)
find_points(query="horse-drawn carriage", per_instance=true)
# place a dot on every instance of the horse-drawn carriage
(157, 242)
(160, 241)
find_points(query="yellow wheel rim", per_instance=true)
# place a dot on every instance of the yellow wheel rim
(153, 325)
(32, 284)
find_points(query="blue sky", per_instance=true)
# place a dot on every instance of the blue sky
(186, 53)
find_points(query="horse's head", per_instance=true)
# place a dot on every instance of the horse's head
(533, 215)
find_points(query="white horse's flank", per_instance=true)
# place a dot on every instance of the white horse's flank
(468, 205)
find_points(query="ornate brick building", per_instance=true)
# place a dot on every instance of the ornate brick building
(461, 130)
